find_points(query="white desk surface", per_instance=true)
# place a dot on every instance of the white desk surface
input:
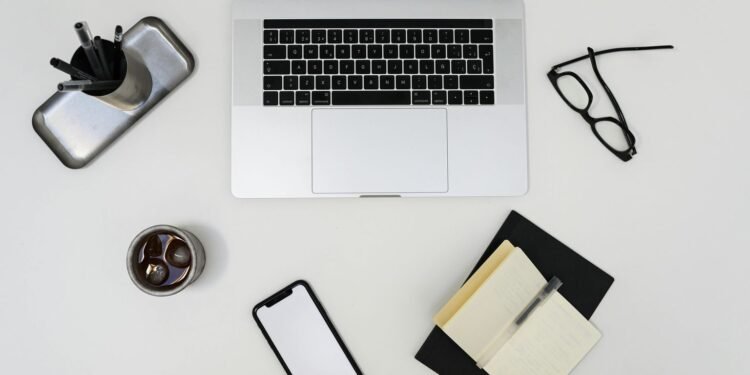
(671, 226)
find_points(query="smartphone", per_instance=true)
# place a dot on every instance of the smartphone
(301, 334)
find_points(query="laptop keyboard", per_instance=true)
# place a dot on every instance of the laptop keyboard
(378, 62)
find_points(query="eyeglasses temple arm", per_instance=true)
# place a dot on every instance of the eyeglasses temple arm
(612, 50)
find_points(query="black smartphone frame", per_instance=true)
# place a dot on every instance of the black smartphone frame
(286, 292)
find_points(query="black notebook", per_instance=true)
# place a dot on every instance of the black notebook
(584, 286)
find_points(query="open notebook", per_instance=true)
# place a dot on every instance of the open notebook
(481, 318)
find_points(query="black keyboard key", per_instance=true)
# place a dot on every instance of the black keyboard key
(419, 82)
(434, 82)
(442, 67)
(486, 97)
(339, 82)
(406, 51)
(354, 82)
(379, 66)
(271, 37)
(363, 66)
(398, 36)
(487, 56)
(299, 67)
(438, 51)
(311, 52)
(306, 82)
(455, 97)
(395, 67)
(414, 36)
(454, 51)
(474, 66)
(462, 36)
(346, 66)
(286, 98)
(366, 36)
(420, 97)
(303, 97)
(430, 36)
(390, 51)
(334, 36)
(387, 83)
(274, 52)
(458, 66)
(439, 98)
(426, 66)
(302, 36)
(350, 36)
(423, 51)
(488, 66)
(382, 36)
(471, 97)
(375, 51)
(322, 82)
(314, 67)
(371, 82)
(470, 51)
(272, 83)
(286, 36)
(359, 51)
(481, 36)
(403, 82)
(331, 67)
(291, 83)
(485, 52)
(477, 82)
(294, 52)
(276, 67)
(318, 36)
(446, 36)
(450, 82)
(343, 52)
(321, 98)
(411, 67)
(371, 98)
(270, 98)
(327, 52)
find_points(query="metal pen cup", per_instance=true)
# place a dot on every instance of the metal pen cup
(136, 84)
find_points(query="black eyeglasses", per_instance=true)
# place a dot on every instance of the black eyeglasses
(612, 132)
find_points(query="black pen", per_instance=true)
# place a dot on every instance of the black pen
(116, 55)
(88, 85)
(118, 37)
(99, 46)
(84, 35)
(70, 69)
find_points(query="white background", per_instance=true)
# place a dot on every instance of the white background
(670, 226)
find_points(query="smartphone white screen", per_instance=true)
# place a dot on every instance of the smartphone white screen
(302, 337)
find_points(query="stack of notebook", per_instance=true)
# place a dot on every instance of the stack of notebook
(507, 319)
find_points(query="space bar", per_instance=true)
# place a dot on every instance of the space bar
(371, 97)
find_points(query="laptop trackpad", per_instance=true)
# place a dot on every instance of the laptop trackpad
(379, 151)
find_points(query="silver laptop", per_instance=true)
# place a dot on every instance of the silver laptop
(349, 98)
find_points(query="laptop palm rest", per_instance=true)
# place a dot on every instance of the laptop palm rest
(379, 151)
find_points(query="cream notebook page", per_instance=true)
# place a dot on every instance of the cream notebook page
(493, 305)
(551, 342)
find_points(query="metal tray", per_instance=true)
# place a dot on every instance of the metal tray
(77, 127)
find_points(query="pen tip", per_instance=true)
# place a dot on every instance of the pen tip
(78, 25)
(118, 28)
(59, 87)
(53, 61)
